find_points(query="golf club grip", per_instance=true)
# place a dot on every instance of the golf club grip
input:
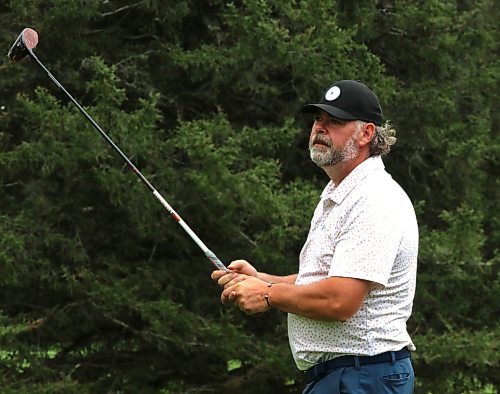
(215, 261)
(210, 255)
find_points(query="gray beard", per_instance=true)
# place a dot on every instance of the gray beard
(330, 156)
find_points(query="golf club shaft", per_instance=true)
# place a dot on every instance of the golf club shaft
(210, 255)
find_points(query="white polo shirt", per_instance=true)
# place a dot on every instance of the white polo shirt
(366, 229)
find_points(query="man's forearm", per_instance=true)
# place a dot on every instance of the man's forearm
(331, 299)
(290, 279)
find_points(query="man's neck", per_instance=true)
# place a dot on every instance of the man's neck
(338, 172)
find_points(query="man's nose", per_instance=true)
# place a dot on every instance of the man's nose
(319, 127)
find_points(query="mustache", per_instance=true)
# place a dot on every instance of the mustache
(318, 138)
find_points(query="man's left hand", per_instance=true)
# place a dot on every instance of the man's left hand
(248, 294)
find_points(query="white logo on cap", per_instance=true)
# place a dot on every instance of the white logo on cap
(333, 93)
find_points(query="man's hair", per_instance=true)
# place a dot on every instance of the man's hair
(382, 140)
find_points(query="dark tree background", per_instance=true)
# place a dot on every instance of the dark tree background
(100, 291)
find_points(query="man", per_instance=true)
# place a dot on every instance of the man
(349, 303)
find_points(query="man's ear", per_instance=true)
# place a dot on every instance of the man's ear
(367, 134)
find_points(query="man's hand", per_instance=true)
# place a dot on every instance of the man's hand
(236, 267)
(242, 267)
(247, 292)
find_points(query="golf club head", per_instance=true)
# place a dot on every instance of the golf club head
(21, 48)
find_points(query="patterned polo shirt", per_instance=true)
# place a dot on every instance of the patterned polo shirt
(366, 229)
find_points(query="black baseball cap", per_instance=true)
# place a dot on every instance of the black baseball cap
(349, 100)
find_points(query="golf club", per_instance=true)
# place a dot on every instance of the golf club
(22, 47)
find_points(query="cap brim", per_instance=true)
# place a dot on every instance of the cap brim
(334, 111)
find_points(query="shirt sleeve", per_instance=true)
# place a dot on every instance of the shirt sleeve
(368, 244)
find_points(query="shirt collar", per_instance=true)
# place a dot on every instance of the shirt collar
(338, 193)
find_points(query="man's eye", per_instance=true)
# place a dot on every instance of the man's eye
(336, 121)
(329, 119)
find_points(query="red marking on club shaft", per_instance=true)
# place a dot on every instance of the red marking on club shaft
(176, 217)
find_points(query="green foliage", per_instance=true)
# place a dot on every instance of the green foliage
(102, 291)
(241, 194)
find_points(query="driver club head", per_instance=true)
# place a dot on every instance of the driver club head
(25, 42)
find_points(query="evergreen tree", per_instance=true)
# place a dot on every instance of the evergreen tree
(102, 291)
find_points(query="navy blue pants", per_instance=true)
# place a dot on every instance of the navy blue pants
(396, 377)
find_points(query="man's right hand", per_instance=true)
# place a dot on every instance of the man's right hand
(242, 267)
(236, 268)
